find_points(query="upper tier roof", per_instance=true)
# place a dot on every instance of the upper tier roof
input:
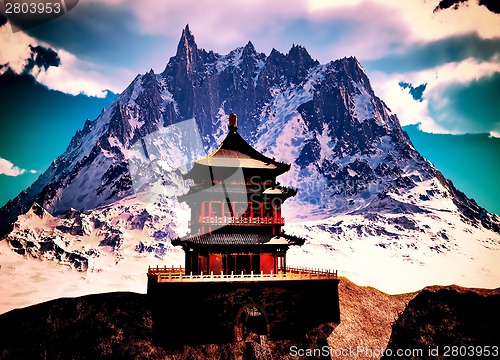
(236, 152)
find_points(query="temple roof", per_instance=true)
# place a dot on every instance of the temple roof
(236, 152)
(240, 239)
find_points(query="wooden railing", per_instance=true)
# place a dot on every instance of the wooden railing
(229, 220)
(177, 274)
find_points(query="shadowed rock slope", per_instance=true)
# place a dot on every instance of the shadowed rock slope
(443, 317)
(119, 325)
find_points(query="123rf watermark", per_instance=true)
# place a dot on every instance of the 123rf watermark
(366, 351)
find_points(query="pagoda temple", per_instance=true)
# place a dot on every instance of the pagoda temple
(236, 221)
(235, 284)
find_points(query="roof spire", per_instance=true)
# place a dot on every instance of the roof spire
(233, 122)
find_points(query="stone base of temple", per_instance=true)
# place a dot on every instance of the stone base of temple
(211, 312)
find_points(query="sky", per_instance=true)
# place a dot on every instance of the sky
(436, 64)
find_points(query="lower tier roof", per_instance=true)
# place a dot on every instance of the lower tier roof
(219, 239)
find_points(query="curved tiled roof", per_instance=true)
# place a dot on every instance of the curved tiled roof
(234, 150)
(240, 239)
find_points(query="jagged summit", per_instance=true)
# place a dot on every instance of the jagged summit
(187, 50)
(186, 42)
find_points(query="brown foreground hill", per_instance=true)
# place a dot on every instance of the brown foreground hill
(119, 326)
(448, 322)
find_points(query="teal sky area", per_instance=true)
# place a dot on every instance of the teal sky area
(471, 161)
(37, 125)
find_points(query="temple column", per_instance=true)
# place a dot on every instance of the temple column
(202, 210)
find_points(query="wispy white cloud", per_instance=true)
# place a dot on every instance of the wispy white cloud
(438, 79)
(9, 169)
(379, 27)
(495, 134)
(73, 76)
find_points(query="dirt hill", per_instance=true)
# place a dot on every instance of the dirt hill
(448, 322)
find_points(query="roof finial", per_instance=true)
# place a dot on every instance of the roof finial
(233, 122)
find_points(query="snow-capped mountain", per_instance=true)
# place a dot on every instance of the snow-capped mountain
(360, 180)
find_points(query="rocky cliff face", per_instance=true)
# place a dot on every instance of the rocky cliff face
(447, 322)
(355, 168)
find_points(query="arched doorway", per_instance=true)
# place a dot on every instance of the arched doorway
(250, 322)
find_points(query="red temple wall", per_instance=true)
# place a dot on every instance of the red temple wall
(266, 263)
(215, 263)
(203, 263)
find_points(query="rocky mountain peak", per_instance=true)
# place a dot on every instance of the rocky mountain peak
(249, 49)
(187, 59)
(299, 62)
(187, 44)
(37, 210)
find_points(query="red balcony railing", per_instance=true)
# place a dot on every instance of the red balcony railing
(228, 220)
(177, 274)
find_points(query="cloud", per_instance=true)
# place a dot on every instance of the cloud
(100, 32)
(75, 76)
(446, 4)
(223, 24)
(440, 109)
(495, 134)
(15, 49)
(435, 53)
(402, 103)
(491, 5)
(58, 69)
(472, 106)
(9, 169)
